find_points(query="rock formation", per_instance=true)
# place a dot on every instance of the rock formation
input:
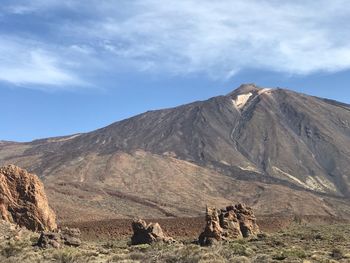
(23, 200)
(246, 218)
(148, 233)
(255, 134)
(65, 237)
(235, 221)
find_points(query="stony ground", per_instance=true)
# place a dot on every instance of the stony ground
(298, 243)
(187, 228)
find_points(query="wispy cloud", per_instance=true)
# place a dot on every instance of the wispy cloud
(21, 7)
(221, 38)
(26, 63)
(218, 38)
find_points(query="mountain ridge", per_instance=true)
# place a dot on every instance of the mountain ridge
(253, 135)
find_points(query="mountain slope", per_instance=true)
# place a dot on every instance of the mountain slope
(287, 144)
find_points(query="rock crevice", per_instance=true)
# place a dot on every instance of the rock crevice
(235, 221)
(23, 200)
(148, 233)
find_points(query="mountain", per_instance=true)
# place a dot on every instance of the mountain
(277, 150)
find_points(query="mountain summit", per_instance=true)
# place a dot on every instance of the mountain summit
(245, 88)
(277, 150)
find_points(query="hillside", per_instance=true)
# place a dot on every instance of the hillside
(277, 150)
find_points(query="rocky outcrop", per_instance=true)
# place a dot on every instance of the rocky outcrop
(246, 218)
(65, 237)
(235, 221)
(49, 240)
(148, 233)
(71, 236)
(23, 200)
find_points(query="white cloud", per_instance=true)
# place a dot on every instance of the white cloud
(21, 7)
(26, 63)
(223, 37)
(219, 38)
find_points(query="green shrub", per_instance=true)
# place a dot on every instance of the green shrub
(290, 253)
(137, 256)
(240, 260)
(69, 255)
(11, 249)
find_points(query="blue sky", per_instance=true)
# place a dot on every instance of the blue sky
(74, 66)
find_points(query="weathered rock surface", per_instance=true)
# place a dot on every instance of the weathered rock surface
(148, 233)
(49, 240)
(23, 200)
(65, 237)
(235, 221)
(246, 218)
(71, 236)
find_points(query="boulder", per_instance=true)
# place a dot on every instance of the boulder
(148, 233)
(59, 238)
(50, 240)
(71, 237)
(247, 220)
(233, 222)
(23, 200)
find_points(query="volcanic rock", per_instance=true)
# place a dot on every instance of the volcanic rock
(49, 240)
(148, 233)
(71, 236)
(251, 141)
(65, 237)
(246, 218)
(23, 200)
(235, 221)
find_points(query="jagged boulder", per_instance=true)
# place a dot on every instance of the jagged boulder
(23, 200)
(65, 237)
(247, 220)
(71, 236)
(235, 221)
(49, 240)
(148, 233)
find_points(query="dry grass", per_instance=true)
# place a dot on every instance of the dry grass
(297, 244)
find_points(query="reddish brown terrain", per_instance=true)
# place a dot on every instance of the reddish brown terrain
(278, 151)
(188, 228)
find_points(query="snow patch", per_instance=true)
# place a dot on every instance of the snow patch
(326, 183)
(263, 91)
(276, 169)
(249, 168)
(315, 183)
(241, 100)
(320, 184)
(64, 139)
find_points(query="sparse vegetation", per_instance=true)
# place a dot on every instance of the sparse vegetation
(11, 249)
(327, 243)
